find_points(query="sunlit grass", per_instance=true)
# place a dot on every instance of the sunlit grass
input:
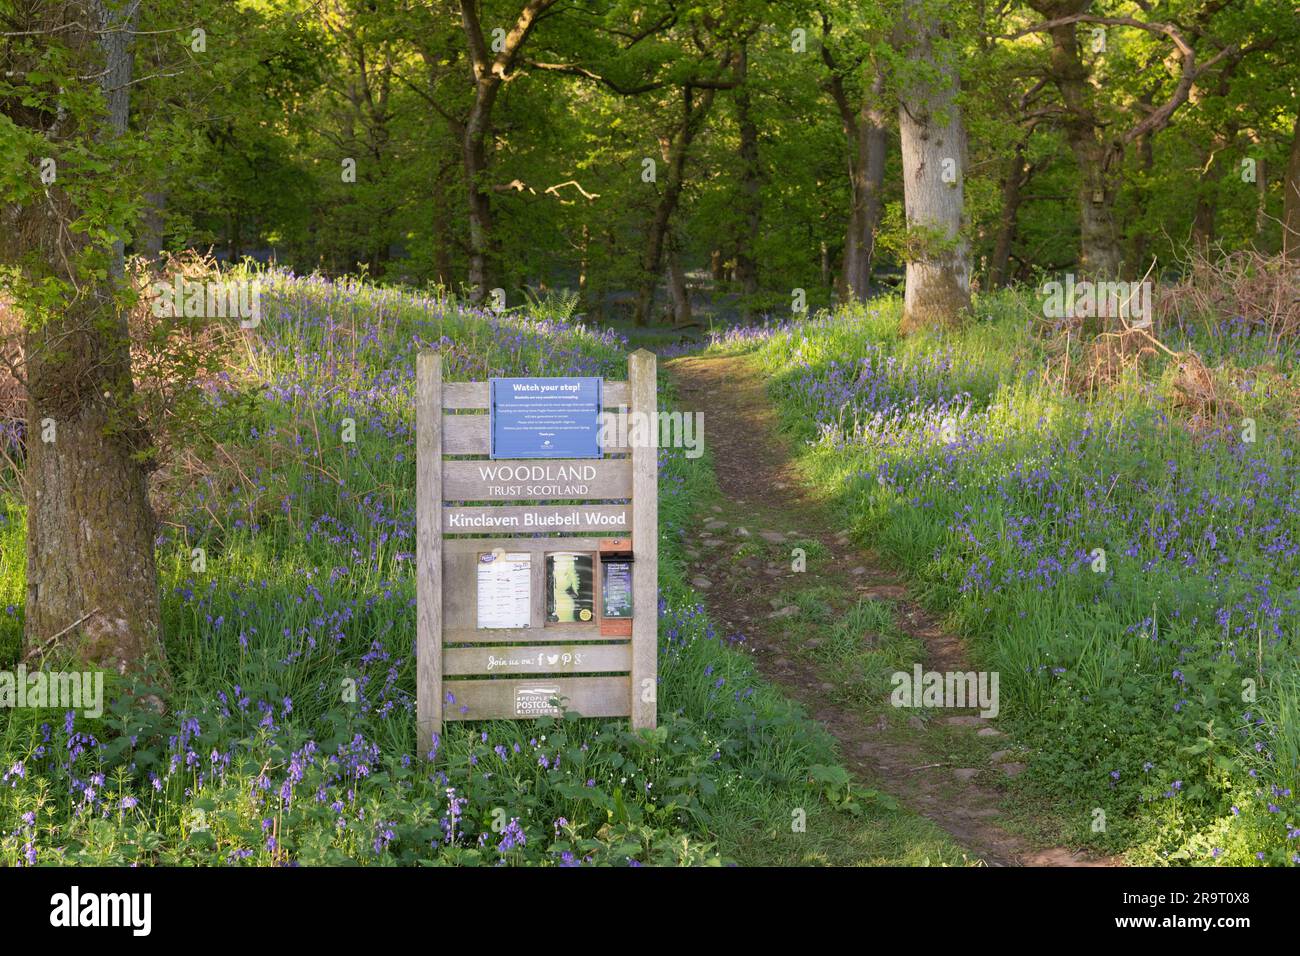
(1124, 570)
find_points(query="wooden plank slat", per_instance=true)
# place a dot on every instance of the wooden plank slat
(542, 519)
(428, 548)
(460, 590)
(474, 395)
(542, 634)
(538, 659)
(471, 435)
(641, 368)
(521, 699)
(548, 479)
(536, 546)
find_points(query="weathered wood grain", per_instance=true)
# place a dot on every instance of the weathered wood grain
(542, 634)
(497, 699)
(538, 519)
(532, 545)
(641, 367)
(548, 479)
(538, 659)
(428, 547)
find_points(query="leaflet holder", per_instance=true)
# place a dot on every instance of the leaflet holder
(615, 587)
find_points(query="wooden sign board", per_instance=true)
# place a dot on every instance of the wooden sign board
(496, 537)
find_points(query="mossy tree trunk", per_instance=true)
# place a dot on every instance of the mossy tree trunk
(91, 579)
(933, 146)
(90, 529)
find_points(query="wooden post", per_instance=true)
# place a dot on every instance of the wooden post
(428, 547)
(641, 375)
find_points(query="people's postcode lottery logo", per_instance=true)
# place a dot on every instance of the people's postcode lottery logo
(536, 702)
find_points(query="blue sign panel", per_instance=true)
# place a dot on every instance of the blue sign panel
(545, 417)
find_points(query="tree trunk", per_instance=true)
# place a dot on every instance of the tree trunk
(1261, 200)
(1146, 160)
(1013, 182)
(678, 293)
(933, 142)
(750, 187)
(1099, 249)
(584, 260)
(867, 138)
(1204, 217)
(489, 73)
(868, 142)
(674, 153)
(1291, 202)
(442, 241)
(234, 243)
(150, 242)
(90, 529)
(652, 257)
(474, 154)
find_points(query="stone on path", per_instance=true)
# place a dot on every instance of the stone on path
(788, 611)
(965, 774)
(916, 723)
(989, 732)
(1014, 769)
(701, 582)
(775, 537)
(964, 721)
(713, 524)
(742, 532)
(999, 755)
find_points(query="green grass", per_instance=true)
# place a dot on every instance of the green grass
(959, 460)
(287, 733)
